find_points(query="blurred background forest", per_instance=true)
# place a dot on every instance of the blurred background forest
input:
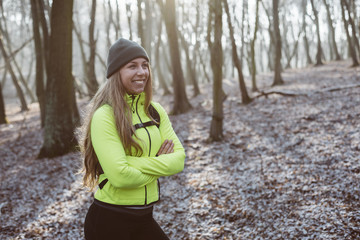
(54, 52)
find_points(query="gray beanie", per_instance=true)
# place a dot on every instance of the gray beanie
(122, 52)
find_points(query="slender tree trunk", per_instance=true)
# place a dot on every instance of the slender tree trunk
(319, 53)
(92, 83)
(352, 24)
(19, 91)
(244, 94)
(332, 31)
(277, 71)
(162, 81)
(181, 102)
(141, 24)
(2, 108)
(59, 136)
(252, 51)
(352, 49)
(190, 66)
(306, 42)
(39, 77)
(129, 14)
(216, 128)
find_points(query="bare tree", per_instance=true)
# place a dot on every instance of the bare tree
(252, 48)
(215, 15)
(19, 91)
(244, 94)
(91, 82)
(306, 42)
(277, 60)
(59, 136)
(351, 46)
(332, 31)
(39, 77)
(319, 53)
(181, 102)
(2, 108)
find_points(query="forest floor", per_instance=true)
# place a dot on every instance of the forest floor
(288, 167)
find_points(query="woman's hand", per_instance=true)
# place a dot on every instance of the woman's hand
(166, 147)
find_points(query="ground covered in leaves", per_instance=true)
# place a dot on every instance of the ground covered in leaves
(288, 167)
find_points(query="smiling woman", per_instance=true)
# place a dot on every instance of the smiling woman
(126, 149)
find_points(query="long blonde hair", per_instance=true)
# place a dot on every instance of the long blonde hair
(112, 92)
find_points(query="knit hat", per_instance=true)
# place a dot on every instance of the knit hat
(122, 52)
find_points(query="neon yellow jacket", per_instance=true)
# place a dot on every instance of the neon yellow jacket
(133, 180)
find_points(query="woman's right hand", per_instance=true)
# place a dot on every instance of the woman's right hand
(166, 147)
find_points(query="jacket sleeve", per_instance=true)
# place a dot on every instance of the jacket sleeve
(111, 153)
(165, 164)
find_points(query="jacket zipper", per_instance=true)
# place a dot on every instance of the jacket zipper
(137, 113)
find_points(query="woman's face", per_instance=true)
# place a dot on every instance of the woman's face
(134, 75)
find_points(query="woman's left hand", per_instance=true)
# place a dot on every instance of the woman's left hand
(166, 147)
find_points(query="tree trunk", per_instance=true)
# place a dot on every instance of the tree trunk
(140, 24)
(352, 24)
(19, 91)
(181, 102)
(252, 51)
(157, 59)
(332, 31)
(319, 53)
(2, 108)
(190, 66)
(216, 128)
(59, 136)
(244, 94)
(277, 71)
(39, 77)
(352, 49)
(92, 83)
(129, 14)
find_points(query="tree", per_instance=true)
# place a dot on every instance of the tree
(351, 46)
(277, 71)
(252, 48)
(215, 13)
(319, 49)
(19, 91)
(332, 31)
(39, 75)
(244, 94)
(92, 83)
(181, 102)
(2, 108)
(59, 136)
(306, 42)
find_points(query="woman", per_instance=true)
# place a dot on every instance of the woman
(126, 149)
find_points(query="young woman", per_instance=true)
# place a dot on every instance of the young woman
(128, 143)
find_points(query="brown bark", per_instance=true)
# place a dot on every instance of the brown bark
(216, 127)
(39, 75)
(59, 136)
(181, 102)
(352, 49)
(91, 82)
(332, 31)
(244, 94)
(2, 108)
(319, 53)
(19, 91)
(277, 60)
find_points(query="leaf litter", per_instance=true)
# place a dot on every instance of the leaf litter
(288, 167)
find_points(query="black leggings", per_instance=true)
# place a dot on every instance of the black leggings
(102, 223)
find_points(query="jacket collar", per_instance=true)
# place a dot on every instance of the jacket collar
(133, 99)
